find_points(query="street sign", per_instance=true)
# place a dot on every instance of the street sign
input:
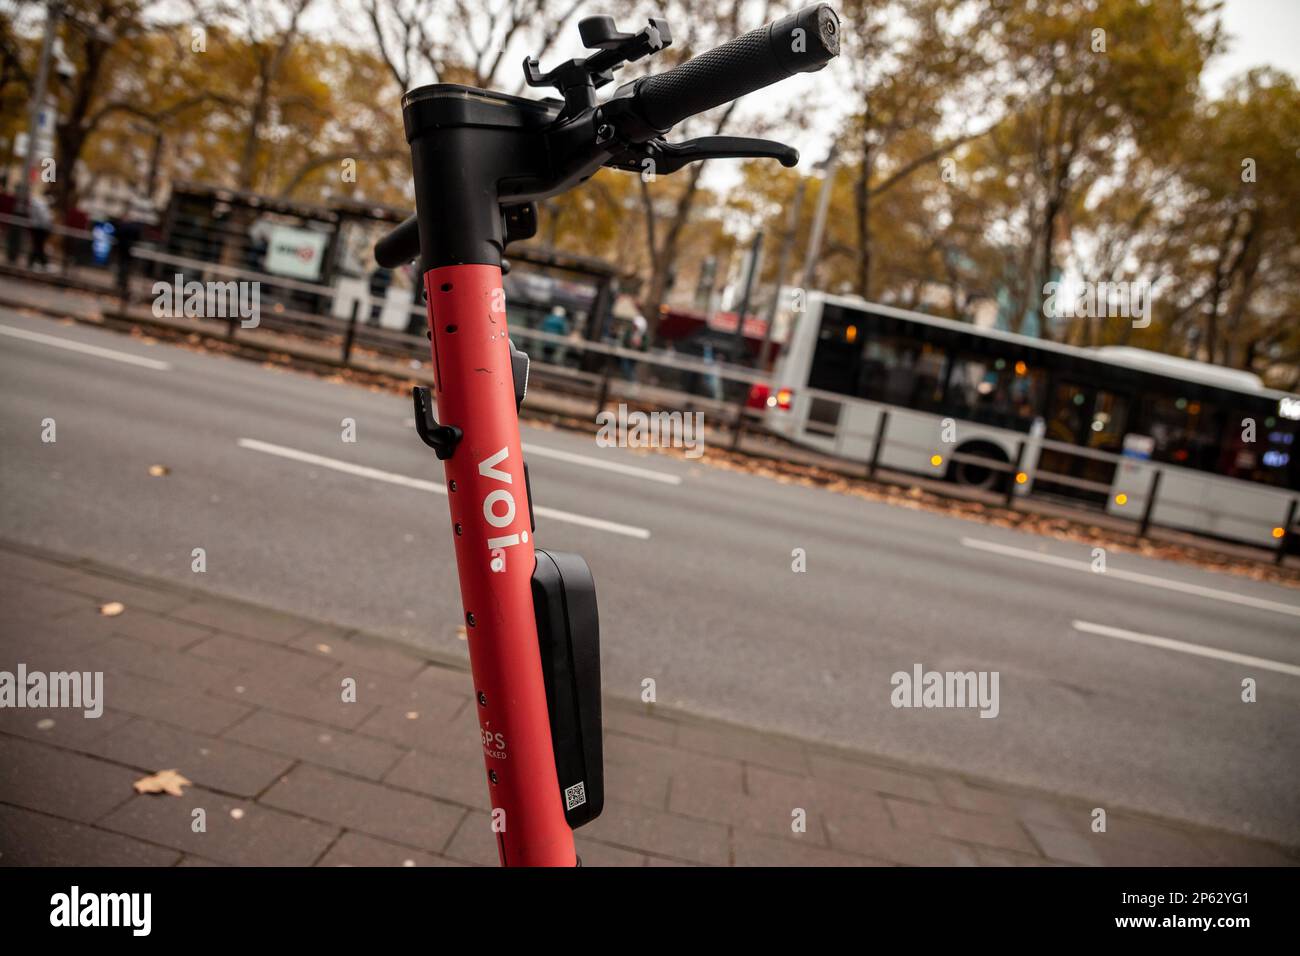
(45, 123)
(298, 253)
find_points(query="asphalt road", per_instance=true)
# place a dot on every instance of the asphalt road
(693, 567)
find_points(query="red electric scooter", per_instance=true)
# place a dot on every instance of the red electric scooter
(481, 160)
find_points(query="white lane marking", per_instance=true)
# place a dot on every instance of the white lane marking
(599, 524)
(1134, 576)
(541, 451)
(1200, 650)
(422, 484)
(124, 357)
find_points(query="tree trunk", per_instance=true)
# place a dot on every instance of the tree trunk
(1050, 214)
(253, 134)
(1246, 267)
(1211, 343)
(666, 256)
(862, 202)
(70, 135)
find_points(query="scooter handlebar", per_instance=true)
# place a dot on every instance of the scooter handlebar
(802, 42)
(399, 246)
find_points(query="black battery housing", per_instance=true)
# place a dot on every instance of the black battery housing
(568, 633)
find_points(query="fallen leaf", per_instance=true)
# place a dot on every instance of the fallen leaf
(157, 471)
(164, 781)
(112, 608)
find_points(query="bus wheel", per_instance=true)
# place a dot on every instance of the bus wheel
(974, 475)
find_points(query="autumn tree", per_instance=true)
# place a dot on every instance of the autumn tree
(668, 202)
(15, 81)
(98, 38)
(1086, 80)
(309, 117)
(913, 73)
(1224, 236)
(465, 41)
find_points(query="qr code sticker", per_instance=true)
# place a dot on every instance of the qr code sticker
(575, 796)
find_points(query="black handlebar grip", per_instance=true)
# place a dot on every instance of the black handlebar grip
(802, 42)
(400, 246)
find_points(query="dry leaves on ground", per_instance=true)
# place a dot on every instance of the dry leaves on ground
(164, 781)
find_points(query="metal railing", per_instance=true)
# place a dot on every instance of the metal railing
(600, 369)
(605, 371)
(1020, 478)
(54, 229)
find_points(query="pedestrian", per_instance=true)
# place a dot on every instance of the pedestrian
(555, 323)
(130, 230)
(634, 338)
(578, 344)
(380, 280)
(38, 210)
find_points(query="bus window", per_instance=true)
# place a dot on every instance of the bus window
(1268, 458)
(1185, 431)
(835, 360)
(1109, 421)
(900, 372)
(927, 388)
(824, 417)
(1278, 456)
(1238, 458)
(994, 391)
(885, 373)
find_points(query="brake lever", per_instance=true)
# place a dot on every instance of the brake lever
(667, 157)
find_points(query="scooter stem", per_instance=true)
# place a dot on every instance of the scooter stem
(490, 511)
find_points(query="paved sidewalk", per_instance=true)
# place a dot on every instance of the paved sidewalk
(245, 702)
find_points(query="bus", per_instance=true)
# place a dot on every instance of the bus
(983, 407)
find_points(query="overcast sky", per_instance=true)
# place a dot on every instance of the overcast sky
(1261, 33)
(1264, 32)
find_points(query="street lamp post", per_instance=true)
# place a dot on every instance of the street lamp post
(819, 221)
(782, 266)
(827, 167)
(755, 260)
